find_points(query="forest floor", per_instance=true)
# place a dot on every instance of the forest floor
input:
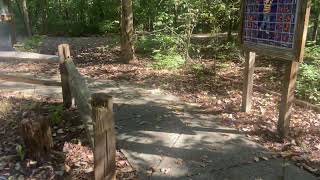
(213, 88)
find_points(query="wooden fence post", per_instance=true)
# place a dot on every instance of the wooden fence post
(64, 53)
(287, 98)
(104, 137)
(248, 81)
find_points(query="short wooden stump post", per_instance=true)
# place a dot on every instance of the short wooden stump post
(104, 137)
(37, 137)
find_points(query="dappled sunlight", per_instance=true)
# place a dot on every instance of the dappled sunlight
(5, 107)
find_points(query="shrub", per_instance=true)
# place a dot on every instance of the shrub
(147, 44)
(55, 115)
(308, 85)
(171, 60)
(31, 44)
(108, 26)
(312, 54)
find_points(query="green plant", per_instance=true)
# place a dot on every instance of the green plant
(170, 61)
(20, 151)
(108, 26)
(148, 44)
(30, 44)
(312, 54)
(55, 115)
(308, 83)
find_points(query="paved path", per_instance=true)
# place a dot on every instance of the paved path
(177, 140)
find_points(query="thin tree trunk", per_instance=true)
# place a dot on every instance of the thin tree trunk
(175, 17)
(127, 48)
(24, 10)
(315, 28)
(45, 8)
(230, 29)
(12, 23)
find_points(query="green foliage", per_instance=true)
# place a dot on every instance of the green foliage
(108, 26)
(20, 151)
(165, 50)
(31, 44)
(312, 54)
(159, 42)
(308, 85)
(199, 70)
(170, 61)
(55, 115)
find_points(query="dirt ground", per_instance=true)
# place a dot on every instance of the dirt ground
(98, 58)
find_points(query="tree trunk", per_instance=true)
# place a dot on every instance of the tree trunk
(13, 24)
(45, 8)
(127, 48)
(315, 28)
(24, 10)
(37, 137)
(230, 29)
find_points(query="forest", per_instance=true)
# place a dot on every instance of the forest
(176, 71)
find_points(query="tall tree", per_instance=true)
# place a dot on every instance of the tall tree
(44, 14)
(127, 31)
(12, 23)
(316, 19)
(25, 13)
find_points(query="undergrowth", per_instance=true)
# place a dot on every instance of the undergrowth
(31, 44)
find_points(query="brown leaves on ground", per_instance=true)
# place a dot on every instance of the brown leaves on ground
(217, 95)
(98, 58)
(70, 158)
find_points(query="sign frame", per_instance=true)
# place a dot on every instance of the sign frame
(300, 35)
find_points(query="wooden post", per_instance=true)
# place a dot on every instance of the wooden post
(64, 53)
(36, 134)
(248, 81)
(104, 137)
(287, 98)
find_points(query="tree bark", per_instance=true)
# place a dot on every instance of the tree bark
(45, 8)
(12, 23)
(230, 29)
(315, 27)
(127, 48)
(37, 137)
(25, 13)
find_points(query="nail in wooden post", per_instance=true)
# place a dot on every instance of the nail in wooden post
(66, 93)
(104, 137)
(287, 98)
(248, 81)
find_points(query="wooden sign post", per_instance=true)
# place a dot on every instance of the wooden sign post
(275, 28)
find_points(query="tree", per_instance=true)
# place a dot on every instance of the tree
(316, 18)
(12, 23)
(25, 13)
(127, 31)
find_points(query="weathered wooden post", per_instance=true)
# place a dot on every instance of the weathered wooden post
(36, 134)
(104, 137)
(64, 54)
(248, 81)
(287, 97)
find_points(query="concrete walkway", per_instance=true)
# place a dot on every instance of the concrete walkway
(165, 138)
